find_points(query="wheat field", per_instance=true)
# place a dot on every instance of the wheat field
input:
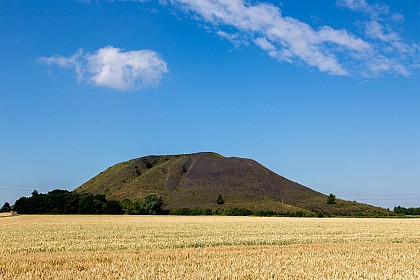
(173, 247)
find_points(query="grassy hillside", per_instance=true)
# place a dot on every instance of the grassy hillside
(195, 181)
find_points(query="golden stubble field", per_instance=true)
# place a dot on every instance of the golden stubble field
(173, 247)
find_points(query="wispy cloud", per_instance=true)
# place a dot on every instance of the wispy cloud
(380, 24)
(363, 6)
(114, 68)
(334, 51)
(66, 62)
(283, 38)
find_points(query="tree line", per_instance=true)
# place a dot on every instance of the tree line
(66, 202)
(70, 202)
(407, 211)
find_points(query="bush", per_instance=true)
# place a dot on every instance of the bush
(237, 212)
(331, 199)
(220, 200)
(263, 213)
(5, 208)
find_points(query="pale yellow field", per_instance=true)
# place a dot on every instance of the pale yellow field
(168, 247)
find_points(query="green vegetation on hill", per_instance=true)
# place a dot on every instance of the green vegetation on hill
(195, 181)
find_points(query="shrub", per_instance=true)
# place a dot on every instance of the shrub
(5, 208)
(263, 213)
(237, 212)
(331, 199)
(220, 200)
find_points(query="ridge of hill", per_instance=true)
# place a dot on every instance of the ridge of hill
(196, 180)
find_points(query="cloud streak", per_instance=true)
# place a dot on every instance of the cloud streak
(114, 68)
(283, 38)
(392, 54)
(334, 51)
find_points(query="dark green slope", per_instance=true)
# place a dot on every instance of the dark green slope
(195, 180)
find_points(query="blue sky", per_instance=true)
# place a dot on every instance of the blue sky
(325, 93)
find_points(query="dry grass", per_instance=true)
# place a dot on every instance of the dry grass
(144, 247)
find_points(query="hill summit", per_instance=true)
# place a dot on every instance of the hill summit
(196, 181)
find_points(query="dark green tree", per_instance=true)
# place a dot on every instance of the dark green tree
(65, 202)
(407, 211)
(152, 204)
(5, 208)
(127, 206)
(331, 199)
(220, 200)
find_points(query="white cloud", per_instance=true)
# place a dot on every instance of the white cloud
(66, 62)
(391, 53)
(383, 64)
(114, 68)
(376, 30)
(235, 39)
(397, 17)
(111, 67)
(379, 24)
(374, 10)
(380, 49)
(355, 5)
(283, 38)
(264, 44)
(334, 51)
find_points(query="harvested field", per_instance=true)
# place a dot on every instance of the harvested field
(167, 247)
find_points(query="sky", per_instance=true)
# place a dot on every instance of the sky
(325, 93)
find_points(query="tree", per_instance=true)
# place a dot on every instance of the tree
(331, 199)
(220, 200)
(24, 206)
(5, 208)
(153, 204)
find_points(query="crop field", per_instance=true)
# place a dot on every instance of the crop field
(174, 247)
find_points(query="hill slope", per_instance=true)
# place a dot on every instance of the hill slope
(195, 181)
